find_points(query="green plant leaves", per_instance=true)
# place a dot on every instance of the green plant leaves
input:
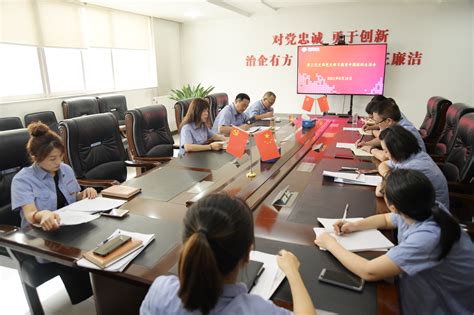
(188, 91)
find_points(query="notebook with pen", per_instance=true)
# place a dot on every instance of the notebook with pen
(250, 274)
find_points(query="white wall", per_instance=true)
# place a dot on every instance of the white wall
(214, 52)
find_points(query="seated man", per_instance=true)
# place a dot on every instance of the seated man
(369, 109)
(262, 108)
(387, 114)
(233, 115)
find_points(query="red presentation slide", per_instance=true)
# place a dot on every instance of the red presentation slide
(341, 69)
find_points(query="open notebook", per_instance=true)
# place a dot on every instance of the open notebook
(354, 178)
(356, 151)
(357, 241)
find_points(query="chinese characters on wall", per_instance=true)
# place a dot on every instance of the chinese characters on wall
(378, 36)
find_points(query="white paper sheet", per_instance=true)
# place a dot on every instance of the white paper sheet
(270, 278)
(343, 145)
(353, 148)
(120, 264)
(356, 241)
(94, 205)
(75, 217)
(350, 129)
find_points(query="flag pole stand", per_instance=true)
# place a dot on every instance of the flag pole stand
(251, 173)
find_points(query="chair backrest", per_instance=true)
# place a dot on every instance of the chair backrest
(148, 132)
(446, 138)
(459, 164)
(435, 118)
(46, 117)
(12, 160)
(217, 101)
(180, 110)
(94, 147)
(10, 123)
(114, 103)
(80, 106)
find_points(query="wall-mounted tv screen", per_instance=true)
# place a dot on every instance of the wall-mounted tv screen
(341, 69)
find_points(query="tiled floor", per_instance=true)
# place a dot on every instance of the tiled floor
(53, 296)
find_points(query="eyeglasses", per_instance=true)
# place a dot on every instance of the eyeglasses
(378, 123)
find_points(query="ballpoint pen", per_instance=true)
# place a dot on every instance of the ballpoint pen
(344, 216)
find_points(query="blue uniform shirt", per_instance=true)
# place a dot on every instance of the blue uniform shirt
(427, 285)
(191, 134)
(424, 163)
(34, 185)
(257, 108)
(229, 116)
(162, 298)
(405, 123)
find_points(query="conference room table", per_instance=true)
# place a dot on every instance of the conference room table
(169, 189)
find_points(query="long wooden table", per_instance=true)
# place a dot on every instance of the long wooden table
(165, 198)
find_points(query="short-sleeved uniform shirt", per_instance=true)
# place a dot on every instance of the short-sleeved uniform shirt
(257, 108)
(229, 116)
(192, 134)
(34, 185)
(428, 285)
(162, 298)
(405, 123)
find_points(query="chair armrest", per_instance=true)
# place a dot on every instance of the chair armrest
(439, 159)
(7, 229)
(98, 182)
(153, 159)
(136, 163)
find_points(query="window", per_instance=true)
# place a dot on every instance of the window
(98, 69)
(133, 68)
(64, 69)
(20, 74)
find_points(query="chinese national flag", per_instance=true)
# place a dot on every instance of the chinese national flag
(323, 104)
(266, 145)
(308, 103)
(237, 141)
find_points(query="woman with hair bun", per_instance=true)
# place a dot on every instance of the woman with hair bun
(48, 184)
(39, 190)
(217, 239)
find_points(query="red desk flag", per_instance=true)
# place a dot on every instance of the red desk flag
(308, 103)
(323, 104)
(237, 141)
(266, 145)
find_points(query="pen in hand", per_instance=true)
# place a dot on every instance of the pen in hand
(343, 218)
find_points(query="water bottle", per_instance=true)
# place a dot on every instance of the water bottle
(355, 119)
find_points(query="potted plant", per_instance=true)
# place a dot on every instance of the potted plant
(188, 91)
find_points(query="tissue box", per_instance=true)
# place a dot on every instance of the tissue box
(310, 123)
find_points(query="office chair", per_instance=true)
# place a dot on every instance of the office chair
(435, 118)
(180, 109)
(149, 135)
(94, 149)
(114, 103)
(10, 123)
(217, 101)
(80, 106)
(445, 141)
(46, 117)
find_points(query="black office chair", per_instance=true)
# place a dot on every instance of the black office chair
(148, 133)
(94, 149)
(217, 101)
(444, 144)
(80, 106)
(11, 162)
(46, 117)
(10, 123)
(180, 109)
(114, 103)
(459, 170)
(435, 118)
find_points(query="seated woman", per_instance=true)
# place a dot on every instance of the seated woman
(403, 151)
(217, 239)
(45, 186)
(434, 259)
(195, 134)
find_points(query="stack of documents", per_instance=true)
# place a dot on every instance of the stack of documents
(75, 217)
(352, 146)
(356, 241)
(122, 262)
(354, 178)
(270, 278)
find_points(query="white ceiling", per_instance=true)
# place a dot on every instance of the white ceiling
(196, 10)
